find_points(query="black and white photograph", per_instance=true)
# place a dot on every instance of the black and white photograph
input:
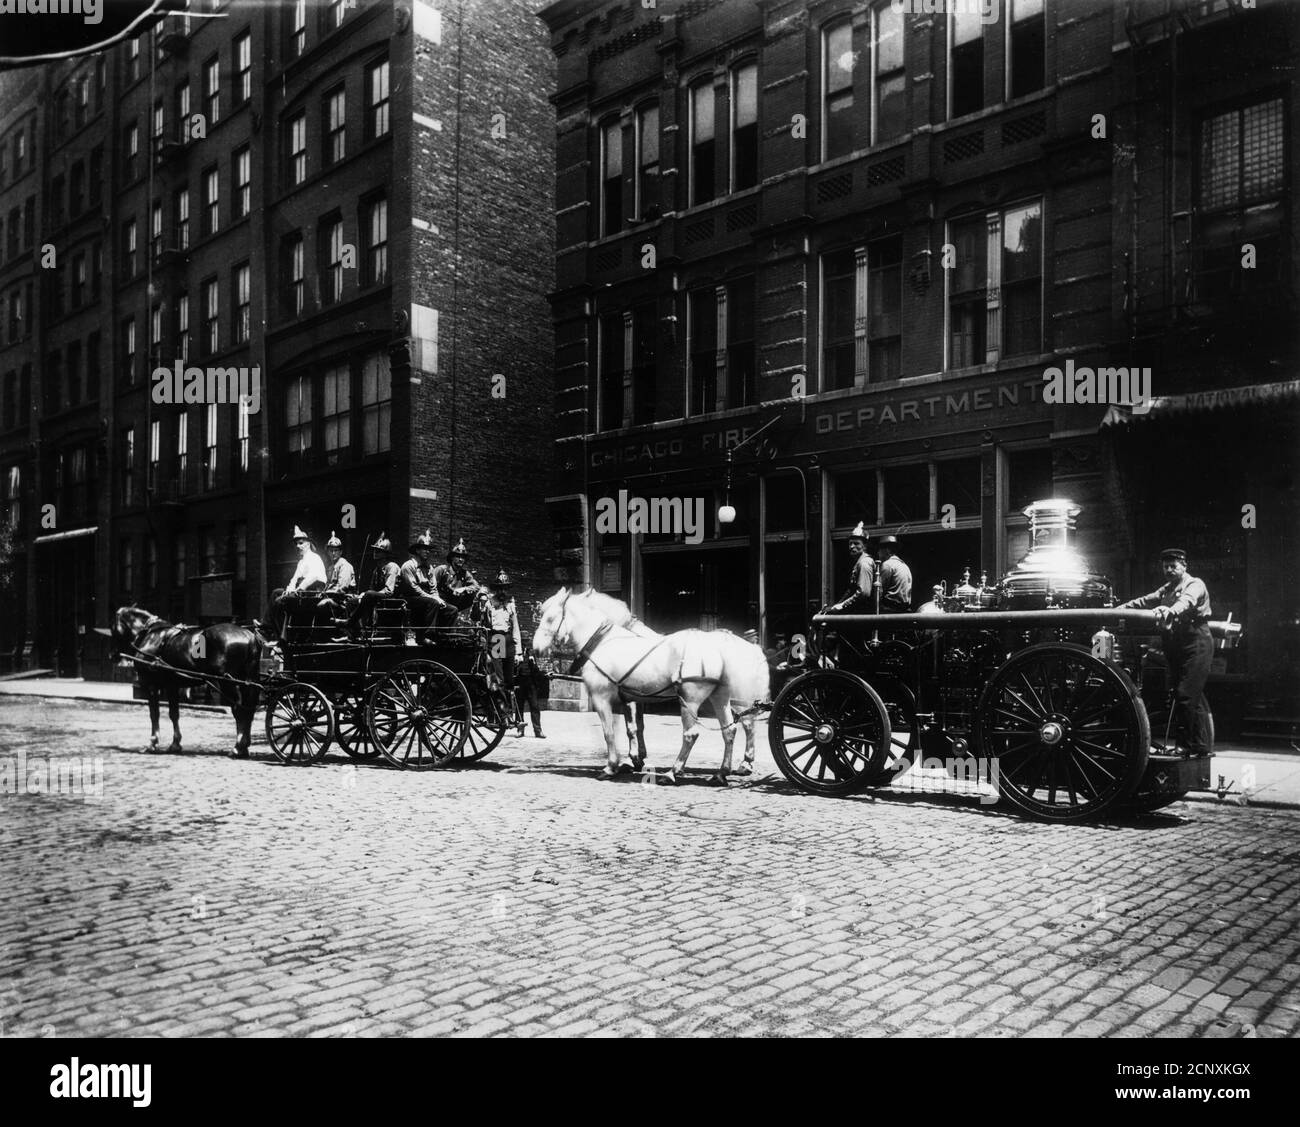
(656, 519)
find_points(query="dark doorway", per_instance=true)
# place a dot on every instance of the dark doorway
(706, 589)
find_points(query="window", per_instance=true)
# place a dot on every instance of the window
(702, 327)
(208, 541)
(242, 165)
(212, 90)
(647, 162)
(29, 222)
(126, 568)
(741, 354)
(183, 111)
(294, 286)
(92, 365)
(211, 201)
(298, 149)
(159, 119)
(61, 114)
(210, 450)
(889, 83)
(965, 62)
(645, 364)
(155, 332)
(57, 201)
(611, 178)
(96, 175)
(20, 152)
(744, 127)
(14, 224)
(9, 408)
(156, 227)
(182, 463)
(13, 496)
(181, 209)
(333, 14)
(242, 436)
(211, 314)
(77, 190)
(53, 383)
(128, 349)
(79, 281)
(703, 186)
(861, 315)
(133, 59)
(377, 100)
(54, 292)
(376, 403)
(239, 536)
(335, 119)
(298, 28)
(243, 68)
(374, 226)
(884, 310)
(155, 453)
(81, 110)
(151, 562)
(1026, 48)
(837, 84)
(128, 467)
(74, 373)
(129, 247)
(178, 560)
(297, 420)
(131, 147)
(330, 240)
(183, 326)
(1242, 197)
(1029, 478)
(336, 413)
(242, 303)
(839, 362)
(999, 254)
(609, 414)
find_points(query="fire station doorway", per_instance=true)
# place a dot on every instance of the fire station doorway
(704, 589)
(65, 599)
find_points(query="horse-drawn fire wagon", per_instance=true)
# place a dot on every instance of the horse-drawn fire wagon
(1025, 678)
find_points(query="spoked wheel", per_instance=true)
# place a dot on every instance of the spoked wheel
(419, 715)
(1069, 731)
(904, 747)
(487, 727)
(352, 731)
(829, 732)
(299, 723)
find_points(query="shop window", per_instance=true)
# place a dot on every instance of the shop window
(959, 486)
(784, 507)
(1029, 478)
(907, 493)
(855, 498)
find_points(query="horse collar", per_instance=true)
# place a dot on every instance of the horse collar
(590, 645)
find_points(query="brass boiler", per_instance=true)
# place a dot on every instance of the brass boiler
(1053, 573)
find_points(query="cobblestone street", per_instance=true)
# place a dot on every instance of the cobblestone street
(523, 896)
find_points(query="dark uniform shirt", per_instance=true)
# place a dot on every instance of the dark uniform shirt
(384, 578)
(414, 580)
(857, 599)
(457, 588)
(895, 585)
(1186, 596)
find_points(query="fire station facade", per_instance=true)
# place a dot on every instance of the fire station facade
(814, 260)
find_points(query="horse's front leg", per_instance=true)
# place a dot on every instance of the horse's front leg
(605, 709)
(174, 714)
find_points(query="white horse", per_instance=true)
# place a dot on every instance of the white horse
(692, 665)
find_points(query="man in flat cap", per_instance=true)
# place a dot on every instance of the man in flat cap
(1182, 609)
(857, 599)
(895, 579)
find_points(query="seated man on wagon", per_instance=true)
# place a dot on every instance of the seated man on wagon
(456, 585)
(340, 583)
(417, 586)
(383, 585)
(857, 599)
(305, 586)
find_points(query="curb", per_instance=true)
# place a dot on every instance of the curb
(114, 700)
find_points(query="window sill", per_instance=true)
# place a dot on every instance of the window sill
(1009, 105)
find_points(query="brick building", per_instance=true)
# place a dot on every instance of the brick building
(341, 200)
(816, 258)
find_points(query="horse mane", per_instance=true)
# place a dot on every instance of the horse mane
(610, 604)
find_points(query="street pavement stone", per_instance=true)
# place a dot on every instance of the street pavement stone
(524, 897)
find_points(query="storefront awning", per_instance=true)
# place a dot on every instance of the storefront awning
(71, 534)
(1164, 406)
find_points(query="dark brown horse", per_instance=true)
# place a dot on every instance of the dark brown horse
(225, 656)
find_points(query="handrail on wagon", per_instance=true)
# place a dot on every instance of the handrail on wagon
(1127, 618)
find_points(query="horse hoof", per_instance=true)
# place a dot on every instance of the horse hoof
(718, 780)
(666, 779)
(606, 773)
(626, 769)
(237, 754)
(744, 771)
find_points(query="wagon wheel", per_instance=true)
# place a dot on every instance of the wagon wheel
(904, 748)
(487, 727)
(419, 715)
(1145, 801)
(299, 723)
(1069, 731)
(829, 722)
(352, 731)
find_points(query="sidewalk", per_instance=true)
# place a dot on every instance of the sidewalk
(1269, 773)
